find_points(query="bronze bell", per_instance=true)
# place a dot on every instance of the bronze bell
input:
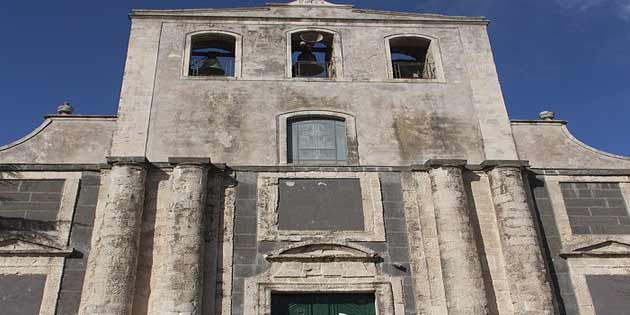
(211, 66)
(307, 65)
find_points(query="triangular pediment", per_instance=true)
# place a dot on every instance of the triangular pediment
(21, 247)
(605, 248)
(331, 251)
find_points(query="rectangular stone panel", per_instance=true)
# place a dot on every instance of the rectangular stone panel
(21, 294)
(596, 208)
(36, 200)
(320, 205)
(610, 293)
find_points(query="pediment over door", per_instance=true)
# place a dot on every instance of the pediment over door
(21, 247)
(605, 248)
(317, 252)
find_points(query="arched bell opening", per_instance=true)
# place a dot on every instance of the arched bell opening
(212, 54)
(312, 54)
(412, 58)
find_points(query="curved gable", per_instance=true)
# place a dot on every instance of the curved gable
(63, 140)
(550, 145)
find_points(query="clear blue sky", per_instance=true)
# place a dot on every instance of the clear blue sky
(569, 56)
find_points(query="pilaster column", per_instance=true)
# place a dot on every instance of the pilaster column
(529, 288)
(179, 290)
(115, 256)
(461, 269)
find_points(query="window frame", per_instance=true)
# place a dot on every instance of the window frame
(434, 50)
(238, 53)
(351, 134)
(337, 54)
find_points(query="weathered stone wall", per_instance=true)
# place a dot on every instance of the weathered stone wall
(577, 253)
(249, 254)
(398, 122)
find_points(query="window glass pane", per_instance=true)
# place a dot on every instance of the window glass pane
(316, 141)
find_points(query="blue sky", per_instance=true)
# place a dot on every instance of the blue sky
(569, 56)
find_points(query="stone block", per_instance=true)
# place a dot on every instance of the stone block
(84, 215)
(615, 212)
(578, 212)
(246, 208)
(399, 254)
(245, 225)
(72, 280)
(395, 225)
(617, 203)
(47, 216)
(88, 195)
(90, 179)
(393, 210)
(610, 229)
(14, 196)
(616, 193)
(244, 271)
(46, 186)
(9, 186)
(245, 256)
(68, 303)
(244, 241)
(584, 203)
(580, 229)
(397, 239)
(592, 220)
(46, 197)
(81, 238)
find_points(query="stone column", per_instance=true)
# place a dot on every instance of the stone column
(179, 290)
(115, 254)
(461, 268)
(529, 288)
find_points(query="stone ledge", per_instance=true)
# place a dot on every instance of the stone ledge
(127, 160)
(176, 161)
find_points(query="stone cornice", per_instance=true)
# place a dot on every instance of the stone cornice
(140, 161)
(189, 161)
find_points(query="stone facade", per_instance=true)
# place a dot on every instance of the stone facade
(191, 201)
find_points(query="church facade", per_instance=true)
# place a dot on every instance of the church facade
(308, 158)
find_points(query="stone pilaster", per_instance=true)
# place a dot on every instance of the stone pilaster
(115, 255)
(180, 262)
(529, 288)
(461, 268)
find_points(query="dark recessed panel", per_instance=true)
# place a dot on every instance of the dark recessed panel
(21, 294)
(610, 293)
(320, 204)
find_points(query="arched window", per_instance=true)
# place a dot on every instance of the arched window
(313, 54)
(412, 57)
(212, 54)
(316, 140)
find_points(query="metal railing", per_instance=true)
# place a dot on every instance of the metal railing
(196, 68)
(413, 70)
(313, 69)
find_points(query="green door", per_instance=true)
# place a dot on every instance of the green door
(322, 304)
